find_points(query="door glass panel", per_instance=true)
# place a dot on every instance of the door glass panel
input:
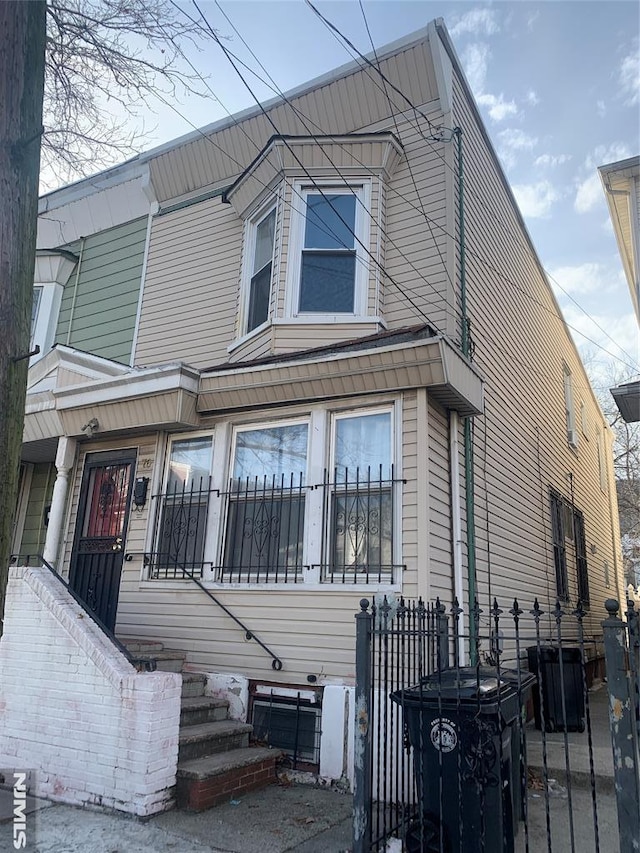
(108, 490)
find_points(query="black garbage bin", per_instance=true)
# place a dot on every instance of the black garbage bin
(555, 668)
(464, 728)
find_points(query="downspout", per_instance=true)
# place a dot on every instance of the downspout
(458, 584)
(75, 291)
(468, 444)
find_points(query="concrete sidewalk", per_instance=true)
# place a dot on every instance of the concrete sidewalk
(300, 819)
(286, 818)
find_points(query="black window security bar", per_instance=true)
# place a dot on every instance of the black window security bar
(359, 510)
(581, 557)
(291, 724)
(559, 548)
(264, 530)
(181, 524)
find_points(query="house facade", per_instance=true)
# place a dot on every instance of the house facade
(306, 356)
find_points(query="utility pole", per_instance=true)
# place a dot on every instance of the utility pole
(22, 51)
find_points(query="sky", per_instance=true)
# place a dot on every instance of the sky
(558, 87)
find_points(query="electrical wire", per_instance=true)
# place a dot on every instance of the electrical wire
(524, 244)
(313, 182)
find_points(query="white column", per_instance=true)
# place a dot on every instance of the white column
(65, 458)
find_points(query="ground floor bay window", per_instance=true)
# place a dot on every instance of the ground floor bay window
(311, 500)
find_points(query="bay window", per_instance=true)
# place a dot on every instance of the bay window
(328, 269)
(361, 500)
(266, 505)
(261, 270)
(182, 509)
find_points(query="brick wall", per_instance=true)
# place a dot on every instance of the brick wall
(73, 709)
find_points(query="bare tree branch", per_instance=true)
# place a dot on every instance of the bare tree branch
(105, 59)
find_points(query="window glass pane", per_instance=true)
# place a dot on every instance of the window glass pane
(190, 464)
(273, 452)
(363, 443)
(330, 221)
(264, 241)
(327, 282)
(259, 298)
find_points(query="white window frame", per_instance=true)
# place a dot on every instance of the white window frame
(46, 319)
(155, 519)
(361, 188)
(235, 430)
(395, 455)
(248, 259)
(569, 405)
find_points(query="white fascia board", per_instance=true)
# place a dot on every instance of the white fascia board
(67, 358)
(120, 174)
(154, 380)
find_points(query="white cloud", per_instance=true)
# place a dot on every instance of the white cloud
(589, 194)
(586, 278)
(536, 200)
(629, 76)
(601, 108)
(532, 98)
(476, 21)
(516, 139)
(497, 107)
(600, 337)
(475, 60)
(551, 159)
(512, 140)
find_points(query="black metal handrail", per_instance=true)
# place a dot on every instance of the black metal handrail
(141, 664)
(276, 663)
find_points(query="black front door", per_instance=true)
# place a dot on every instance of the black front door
(103, 512)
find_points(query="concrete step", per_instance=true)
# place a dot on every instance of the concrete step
(202, 709)
(205, 782)
(139, 645)
(211, 738)
(167, 660)
(193, 684)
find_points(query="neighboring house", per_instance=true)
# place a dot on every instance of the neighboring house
(292, 436)
(621, 182)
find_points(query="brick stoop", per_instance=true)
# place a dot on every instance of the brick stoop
(215, 760)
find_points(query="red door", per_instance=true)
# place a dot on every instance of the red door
(103, 513)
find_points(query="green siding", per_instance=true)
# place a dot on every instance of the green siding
(108, 289)
(34, 532)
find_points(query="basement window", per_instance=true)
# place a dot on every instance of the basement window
(289, 720)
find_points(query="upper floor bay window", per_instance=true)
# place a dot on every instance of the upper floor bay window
(262, 241)
(328, 269)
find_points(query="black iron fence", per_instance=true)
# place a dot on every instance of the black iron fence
(511, 753)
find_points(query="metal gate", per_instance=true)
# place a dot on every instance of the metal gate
(511, 752)
(101, 527)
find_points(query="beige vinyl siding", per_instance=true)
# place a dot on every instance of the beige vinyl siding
(351, 103)
(416, 242)
(521, 446)
(100, 302)
(312, 630)
(440, 533)
(35, 530)
(190, 298)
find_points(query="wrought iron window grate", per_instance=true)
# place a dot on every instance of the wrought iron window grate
(292, 724)
(181, 522)
(264, 530)
(359, 513)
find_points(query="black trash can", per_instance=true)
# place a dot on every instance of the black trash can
(547, 666)
(464, 728)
